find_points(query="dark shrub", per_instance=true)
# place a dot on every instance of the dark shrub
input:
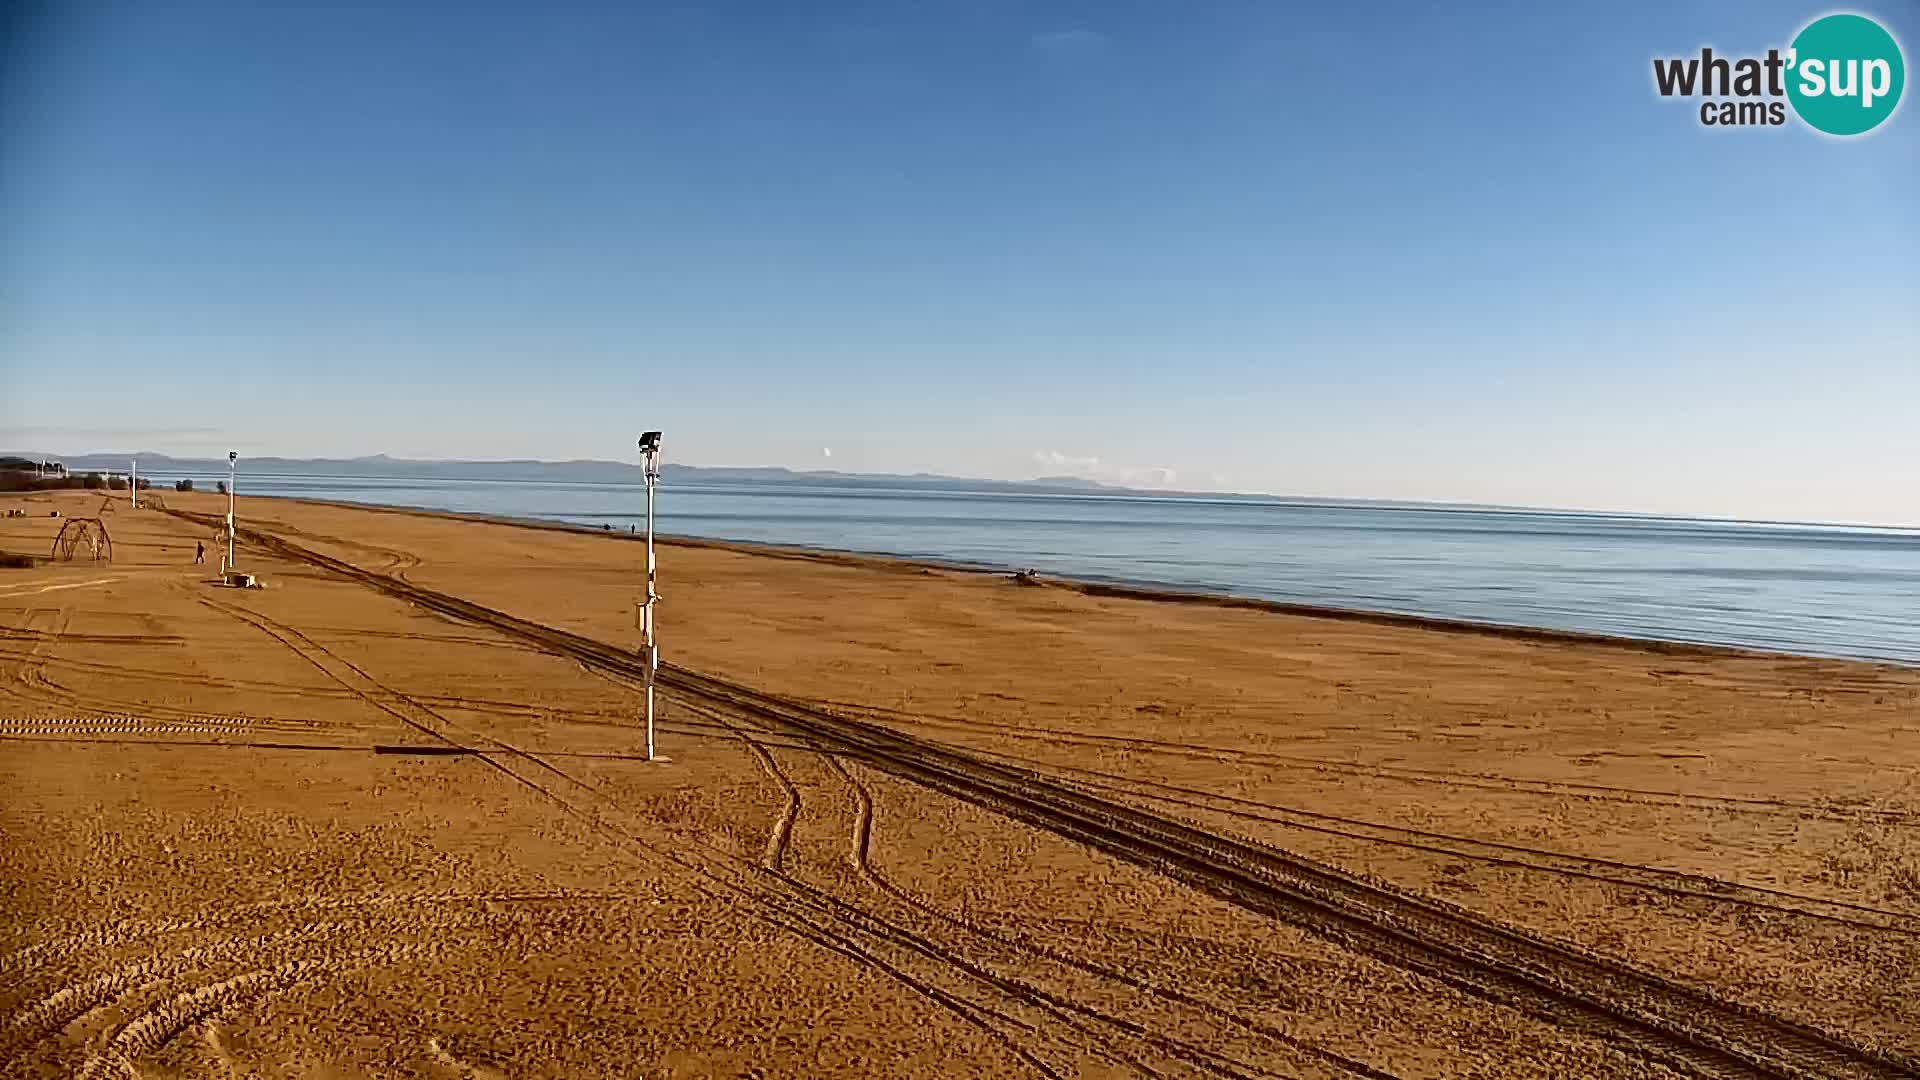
(94, 481)
(183, 485)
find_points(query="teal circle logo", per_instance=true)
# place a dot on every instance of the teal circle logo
(1845, 74)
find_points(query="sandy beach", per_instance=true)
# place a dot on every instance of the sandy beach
(390, 816)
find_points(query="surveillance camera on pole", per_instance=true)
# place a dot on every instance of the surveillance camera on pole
(650, 467)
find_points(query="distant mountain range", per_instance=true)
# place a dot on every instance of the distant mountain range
(165, 467)
(580, 471)
(207, 470)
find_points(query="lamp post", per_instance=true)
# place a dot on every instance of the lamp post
(650, 467)
(232, 468)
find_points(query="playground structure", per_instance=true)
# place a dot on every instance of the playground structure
(82, 537)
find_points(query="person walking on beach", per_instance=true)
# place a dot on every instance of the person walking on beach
(199, 553)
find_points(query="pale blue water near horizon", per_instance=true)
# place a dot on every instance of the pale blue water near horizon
(1809, 589)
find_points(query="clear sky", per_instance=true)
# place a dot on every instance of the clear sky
(1403, 250)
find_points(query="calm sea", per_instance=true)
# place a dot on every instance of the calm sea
(1817, 590)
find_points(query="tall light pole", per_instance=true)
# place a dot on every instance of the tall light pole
(650, 467)
(232, 468)
(133, 481)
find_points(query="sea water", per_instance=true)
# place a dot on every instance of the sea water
(1815, 590)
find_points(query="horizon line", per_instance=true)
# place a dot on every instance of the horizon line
(1300, 500)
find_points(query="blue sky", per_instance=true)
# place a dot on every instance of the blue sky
(1398, 249)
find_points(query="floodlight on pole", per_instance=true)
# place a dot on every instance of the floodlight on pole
(233, 460)
(650, 468)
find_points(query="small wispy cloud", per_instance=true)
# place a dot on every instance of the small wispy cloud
(1068, 42)
(1054, 459)
(1094, 468)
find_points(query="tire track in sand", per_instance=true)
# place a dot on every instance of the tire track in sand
(45, 956)
(280, 689)
(129, 724)
(1649, 1014)
(780, 835)
(1677, 883)
(53, 691)
(311, 949)
(37, 687)
(859, 856)
(72, 1002)
(591, 806)
(1097, 1028)
(862, 838)
(38, 590)
(786, 889)
(1583, 990)
(783, 827)
(25, 675)
(222, 1057)
(1091, 1041)
(155, 1028)
(1092, 1045)
(1496, 782)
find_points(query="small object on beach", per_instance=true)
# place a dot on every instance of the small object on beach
(1027, 577)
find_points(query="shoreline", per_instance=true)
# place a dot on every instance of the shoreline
(1125, 590)
(1036, 488)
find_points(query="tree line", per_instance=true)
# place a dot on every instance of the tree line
(23, 480)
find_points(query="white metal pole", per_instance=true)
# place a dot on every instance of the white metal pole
(651, 468)
(232, 471)
(133, 481)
